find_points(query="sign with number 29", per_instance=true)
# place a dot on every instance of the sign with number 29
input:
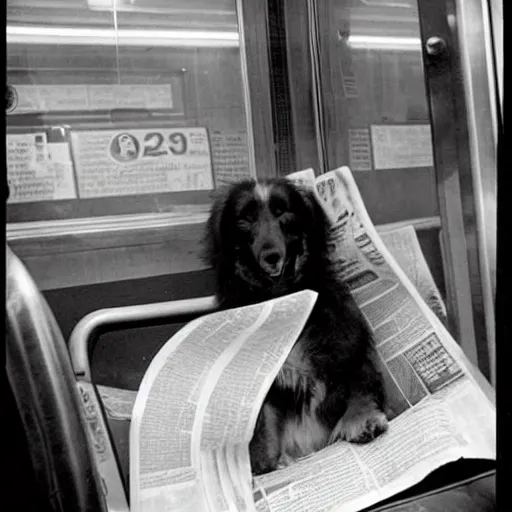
(136, 161)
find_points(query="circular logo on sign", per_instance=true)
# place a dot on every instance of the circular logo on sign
(124, 147)
(11, 98)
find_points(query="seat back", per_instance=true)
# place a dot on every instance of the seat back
(41, 379)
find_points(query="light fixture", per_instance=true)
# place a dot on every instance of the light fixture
(108, 36)
(110, 5)
(360, 42)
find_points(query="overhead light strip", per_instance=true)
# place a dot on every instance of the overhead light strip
(109, 37)
(358, 42)
(181, 38)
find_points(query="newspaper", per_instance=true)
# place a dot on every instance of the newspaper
(405, 247)
(198, 403)
(196, 409)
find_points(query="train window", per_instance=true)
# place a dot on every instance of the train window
(122, 117)
(122, 106)
(402, 93)
(371, 112)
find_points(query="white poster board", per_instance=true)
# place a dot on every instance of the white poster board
(401, 146)
(65, 98)
(360, 149)
(144, 161)
(230, 154)
(38, 170)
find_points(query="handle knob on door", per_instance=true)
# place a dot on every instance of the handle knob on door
(435, 46)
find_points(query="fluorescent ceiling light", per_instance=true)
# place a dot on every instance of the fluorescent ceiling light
(357, 42)
(107, 37)
(109, 5)
(372, 3)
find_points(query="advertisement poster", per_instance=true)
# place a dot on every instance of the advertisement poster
(360, 149)
(230, 157)
(402, 146)
(152, 160)
(66, 98)
(38, 170)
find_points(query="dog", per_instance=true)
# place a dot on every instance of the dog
(266, 239)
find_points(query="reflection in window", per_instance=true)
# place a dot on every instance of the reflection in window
(118, 98)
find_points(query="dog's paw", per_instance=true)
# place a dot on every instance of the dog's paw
(360, 428)
(284, 461)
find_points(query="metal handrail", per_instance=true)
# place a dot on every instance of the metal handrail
(88, 329)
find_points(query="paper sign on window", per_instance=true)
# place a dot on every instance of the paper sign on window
(42, 98)
(230, 157)
(360, 149)
(126, 162)
(38, 170)
(402, 146)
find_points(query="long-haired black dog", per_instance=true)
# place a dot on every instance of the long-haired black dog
(268, 239)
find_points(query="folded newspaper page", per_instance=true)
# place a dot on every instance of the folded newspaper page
(197, 406)
(441, 408)
(404, 246)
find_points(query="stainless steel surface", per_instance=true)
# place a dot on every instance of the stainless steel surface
(496, 15)
(186, 214)
(246, 88)
(85, 332)
(478, 183)
(41, 379)
(423, 224)
(453, 163)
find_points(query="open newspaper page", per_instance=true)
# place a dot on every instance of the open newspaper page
(197, 406)
(441, 408)
(403, 244)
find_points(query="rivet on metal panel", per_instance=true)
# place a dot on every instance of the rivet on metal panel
(435, 46)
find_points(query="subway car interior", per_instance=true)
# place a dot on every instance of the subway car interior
(126, 119)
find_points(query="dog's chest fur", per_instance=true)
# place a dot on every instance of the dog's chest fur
(302, 430)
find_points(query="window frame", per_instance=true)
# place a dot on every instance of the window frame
(88, 250)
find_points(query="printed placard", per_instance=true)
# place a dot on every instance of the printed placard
(402, 146)
(230, 154)
(43, 98)
(117, 163)
(150, 96)
(350, 87)
(360, 149)
(38, 170)
(65, 98)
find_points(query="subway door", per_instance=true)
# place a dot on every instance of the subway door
(373, 85)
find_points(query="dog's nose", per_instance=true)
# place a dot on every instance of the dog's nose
(271, 260)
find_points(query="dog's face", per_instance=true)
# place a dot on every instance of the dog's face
(264, 231)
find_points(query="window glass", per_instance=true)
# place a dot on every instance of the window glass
(122, 106)
(375, 105)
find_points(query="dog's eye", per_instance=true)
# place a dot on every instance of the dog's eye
(279, 208)
(249, 212)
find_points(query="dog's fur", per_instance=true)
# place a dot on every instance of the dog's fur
(268, 239)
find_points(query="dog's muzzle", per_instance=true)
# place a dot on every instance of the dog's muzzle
(271, 260)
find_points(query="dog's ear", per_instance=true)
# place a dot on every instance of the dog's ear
(317, 216)
(315, 224)
(213, 239)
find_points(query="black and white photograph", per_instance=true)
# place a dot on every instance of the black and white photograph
(252, 256)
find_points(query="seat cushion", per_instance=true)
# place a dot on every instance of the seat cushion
(460, 486)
